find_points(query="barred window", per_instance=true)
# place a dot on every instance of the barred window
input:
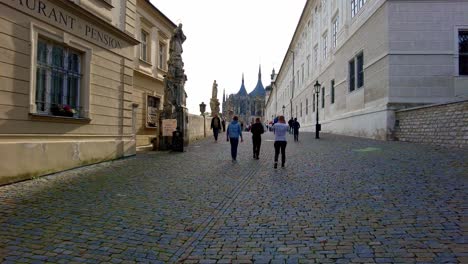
(58, 78)
(356, 5)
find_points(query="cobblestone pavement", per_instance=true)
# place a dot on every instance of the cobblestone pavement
(339, 200)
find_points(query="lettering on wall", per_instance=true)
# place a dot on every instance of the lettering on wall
(48, 12)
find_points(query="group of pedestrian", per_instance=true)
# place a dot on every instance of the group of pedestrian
(279, 128)
(294, 128)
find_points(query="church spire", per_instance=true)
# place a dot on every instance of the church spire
(242, 90)
(259, 71)
(224, 95)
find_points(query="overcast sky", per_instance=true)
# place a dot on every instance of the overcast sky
(228, 38)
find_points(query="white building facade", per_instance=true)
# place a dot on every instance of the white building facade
(371, 57)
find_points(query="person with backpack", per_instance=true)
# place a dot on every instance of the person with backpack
(295, 127)
(234, 131)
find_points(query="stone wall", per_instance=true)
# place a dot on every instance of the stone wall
(195, 127)
(443, 124)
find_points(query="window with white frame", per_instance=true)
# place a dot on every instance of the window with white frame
(162, 56)
(144, 46)
(308, 66)
(335, 31)
(325, 45)
(58, 79)
(356, 5)
(316, 55)
(302, 68)
(323, 97)
(463, 52)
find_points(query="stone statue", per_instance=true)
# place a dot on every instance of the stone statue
(176, 41)
(214, 93)
(214, 102)
(174, 82)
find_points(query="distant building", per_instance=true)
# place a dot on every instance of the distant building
(371, 59)
(246, 106)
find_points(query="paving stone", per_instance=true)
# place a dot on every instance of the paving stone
(332, 203)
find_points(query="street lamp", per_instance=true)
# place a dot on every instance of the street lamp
(317, 125)
(283, 109)
(202, 110)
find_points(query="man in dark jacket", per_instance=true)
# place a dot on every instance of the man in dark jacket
(290, 123)
(295, 127)
(257, 131)
(216, 126)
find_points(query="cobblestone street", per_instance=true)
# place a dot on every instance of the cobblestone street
(339, 200)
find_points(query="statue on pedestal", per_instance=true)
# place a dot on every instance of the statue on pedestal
(174, 82)
(214, 102)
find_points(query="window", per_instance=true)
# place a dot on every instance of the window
(308, 65)
(152, 107)
(301, 109)
(302, 68)
(352, 76)
(313, 103)
(356, 5)
(316, 55)
(144, 46)
(332, 91)
(335, 31)
(323, 97)
(325, 47)
(307, 106)
(58, 80)
(360, 70)
(162, 56)
(296, 110)
(298, 79)
(463, 52)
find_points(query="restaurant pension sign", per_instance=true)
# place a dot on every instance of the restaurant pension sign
(50, 13)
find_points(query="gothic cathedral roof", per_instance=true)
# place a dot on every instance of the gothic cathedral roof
(259, 89)
(242, 91)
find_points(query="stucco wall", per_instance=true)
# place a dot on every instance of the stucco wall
(195, 127)
(444, 125)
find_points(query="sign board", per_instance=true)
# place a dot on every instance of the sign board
(169, 126)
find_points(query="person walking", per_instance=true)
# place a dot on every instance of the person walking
(296, 127)
(280, 129)
(216, 126)
(257, 130)
(290, 123)
(234, 131)
(223, 123)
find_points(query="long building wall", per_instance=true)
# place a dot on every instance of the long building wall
(34, 144)
(410, 54)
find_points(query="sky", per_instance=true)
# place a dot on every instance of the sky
(227, 38)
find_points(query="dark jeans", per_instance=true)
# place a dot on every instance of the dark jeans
(234, 144)
(296, 135)
(280, 145)
(215, 133)
(257, 142)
